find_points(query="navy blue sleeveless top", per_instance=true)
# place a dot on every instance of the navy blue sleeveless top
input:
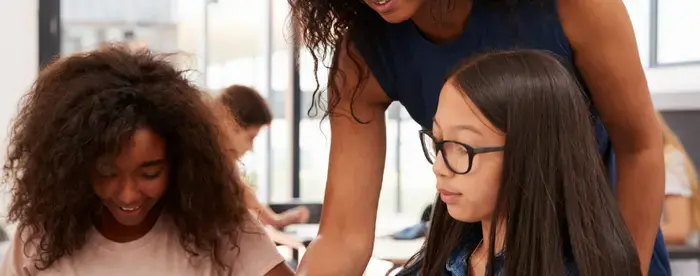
(412, 69)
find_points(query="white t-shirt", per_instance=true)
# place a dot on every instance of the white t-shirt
(159, 252)
(677, 180)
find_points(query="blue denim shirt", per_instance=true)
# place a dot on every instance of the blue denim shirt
(456, 264)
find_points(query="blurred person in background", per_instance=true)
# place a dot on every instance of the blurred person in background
(681, 217)
(244, 112)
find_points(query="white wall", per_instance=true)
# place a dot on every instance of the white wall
(19, 62)
(672, 87)
(19, 54)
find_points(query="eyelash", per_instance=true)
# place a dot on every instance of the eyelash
(151, 176)
(107, 176)
(148, 176)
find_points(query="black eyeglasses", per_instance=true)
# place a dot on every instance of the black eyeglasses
(457, 156)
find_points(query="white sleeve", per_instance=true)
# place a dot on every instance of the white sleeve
(16, 261)
(257, 254)
(677, 180)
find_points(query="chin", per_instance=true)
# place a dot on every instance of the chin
(463, 215)
(396, 11)
(395, 18)
(130, 218)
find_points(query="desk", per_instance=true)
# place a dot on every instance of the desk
(386, 225)
(385, 248)
(303, 232)
(397, 252)
(683, 252)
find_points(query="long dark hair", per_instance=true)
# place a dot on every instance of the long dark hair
(326, 26)
(554, 196)
(83, 107)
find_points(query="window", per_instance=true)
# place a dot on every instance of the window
(245, 37)
(86, 24)
(416, 174)
(677, 27)
(314, 133)
(408, 184)
(226, 42)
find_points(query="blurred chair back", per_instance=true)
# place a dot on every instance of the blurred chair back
(314, 209)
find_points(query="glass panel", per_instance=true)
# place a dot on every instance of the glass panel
(639, 12)
(315, 134)
(238, 35)
(678, 26)
(86, 24)
(279, 100)
(233, 47)
(316, 137)
(281, 158)
(417, 178)
(238, 58)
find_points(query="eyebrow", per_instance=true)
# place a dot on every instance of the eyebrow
(461, 127)
(152, 163)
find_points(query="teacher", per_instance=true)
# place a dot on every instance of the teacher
(401, 50)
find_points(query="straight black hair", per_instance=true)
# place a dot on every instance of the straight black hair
(555, 198)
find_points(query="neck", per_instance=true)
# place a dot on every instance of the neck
(478, 258)
(444, 20)
(486, 234)
(111, 229)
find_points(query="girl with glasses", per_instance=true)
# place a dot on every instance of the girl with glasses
(522, 188)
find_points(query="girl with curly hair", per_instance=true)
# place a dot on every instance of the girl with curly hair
(401, 50)
(118, 169)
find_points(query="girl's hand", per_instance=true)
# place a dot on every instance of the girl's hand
(284, 239)
(297, 215)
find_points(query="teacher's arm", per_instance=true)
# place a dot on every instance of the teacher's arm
(606, 54)
(355, 172)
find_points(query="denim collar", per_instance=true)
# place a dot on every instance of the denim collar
(457, 263)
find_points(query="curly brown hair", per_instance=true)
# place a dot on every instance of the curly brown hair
(324, 26)
(81, 108)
